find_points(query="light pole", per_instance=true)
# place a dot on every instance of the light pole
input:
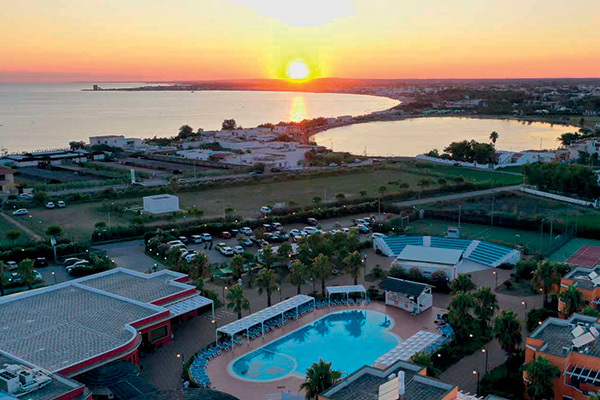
(484, 351)
(496, 276)
(224, 289)
(477, 377)
(54, 276)
(524, 303)
(518, 237)
(180, 355)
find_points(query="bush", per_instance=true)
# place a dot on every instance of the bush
(505, 380)
(537, 315)
(524, 269)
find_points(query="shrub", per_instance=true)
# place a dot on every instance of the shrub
(537, 315)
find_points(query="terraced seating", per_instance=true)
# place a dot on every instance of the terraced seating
(488, 253)
(450, 243)
(397, 244)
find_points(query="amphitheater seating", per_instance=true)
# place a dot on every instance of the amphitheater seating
(397, 244)
(488, 253)
(450, 243)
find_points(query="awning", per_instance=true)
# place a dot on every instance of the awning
(188, 304)
(346, 289)
(265, 315)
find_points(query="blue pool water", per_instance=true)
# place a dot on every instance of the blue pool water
(348, 339)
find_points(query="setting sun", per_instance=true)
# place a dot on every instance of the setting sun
(298, 70)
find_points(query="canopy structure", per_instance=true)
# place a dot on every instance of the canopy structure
(190, 304)
(345, 290)
(261, 316)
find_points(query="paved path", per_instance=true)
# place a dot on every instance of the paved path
(34, 236)
(457, 196)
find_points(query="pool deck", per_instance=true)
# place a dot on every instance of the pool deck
(217, 369)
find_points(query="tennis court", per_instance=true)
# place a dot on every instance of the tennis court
(571, 248)
(586, 256)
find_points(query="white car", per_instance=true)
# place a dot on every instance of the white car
(21, 211)
(309, 230)
(226, 250)
(61, 204)
(246, 231)
(266, 210)
(196, 239)
(346, 231)
(174, 243)
(50, 205)
(26, 196)
(238, 249)
(207, 237)
(377, 235)
(296, 232)
(179, 246)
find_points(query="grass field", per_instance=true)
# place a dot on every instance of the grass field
(571, 247)
(499, 178)
(6, 226)
(504, 236)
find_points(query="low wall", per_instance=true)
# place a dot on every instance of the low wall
(558, 197)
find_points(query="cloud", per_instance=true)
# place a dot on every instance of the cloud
(301, 13)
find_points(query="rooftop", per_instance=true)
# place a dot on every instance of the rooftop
(430, 255)
(558, 336)
(397, 285)
(584, 277)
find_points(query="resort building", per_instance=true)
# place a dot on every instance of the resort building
(413, 297)
(573, 346)
(119, 141)
(76, 326)
(587, 281)
(7, 179)
(401, 380)
(51, 157)
(450, 255)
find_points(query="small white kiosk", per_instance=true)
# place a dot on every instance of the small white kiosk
(410, 296)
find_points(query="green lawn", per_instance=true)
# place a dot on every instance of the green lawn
(499, 178)
(571, 247)
(5, 226)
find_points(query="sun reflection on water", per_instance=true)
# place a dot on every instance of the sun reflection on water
(298, 109)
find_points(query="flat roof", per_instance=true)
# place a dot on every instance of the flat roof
(146, 288)
(557, 334)
(430, 255)
(398, 285)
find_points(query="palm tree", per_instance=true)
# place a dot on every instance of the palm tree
(352, 264)
(494, 137)
(237, 266)
(572, 300)
(27, 272)
(459, 314)
(237, 301)
(266, 281)
(485, 305)
(319, 377)
(545, 279)
(267, 257)
(507, 331)
(284, 252)
(322, 270)
(298, 274)
(198, 266)
(540, 378)
(462, 283)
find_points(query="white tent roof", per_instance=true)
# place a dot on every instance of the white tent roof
(189, 304)
(432, 255)
(266, 314)
(346, 289)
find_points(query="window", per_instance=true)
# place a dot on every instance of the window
(158, 333)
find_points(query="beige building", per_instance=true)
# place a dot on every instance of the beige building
(7, 179)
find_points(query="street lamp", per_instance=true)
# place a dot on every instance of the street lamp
(524, 303)
(54, 276)
(484, 351)
(476, 374)
(496, 276)
(224, 289)
(180, 355)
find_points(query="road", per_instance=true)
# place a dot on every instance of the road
(456, 196)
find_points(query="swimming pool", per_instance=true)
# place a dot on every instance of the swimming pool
(348, 339)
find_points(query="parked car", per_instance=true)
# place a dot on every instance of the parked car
(21, 211)
(61, 204)
(26, 196)
(362, 228)
(234, 232)
(245, 242)
(40, 262)
(174, 242)
(11, 265)
(80, 265)
(310, 230)
(196, 239)
(50, 205)
(346, 231)
(219, 245)
(377, 235)
(226, 251)
(207, 237)
(225, 235)
(266, 210)
(70, 261)
(262, 243)
(238, 250)
(183, 239)
(179, 246)
(277, 226)
(312, 222)
(268, 228)
(246, 231)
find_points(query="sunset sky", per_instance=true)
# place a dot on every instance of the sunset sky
(129, 40)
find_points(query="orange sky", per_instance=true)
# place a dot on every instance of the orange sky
(67, 40)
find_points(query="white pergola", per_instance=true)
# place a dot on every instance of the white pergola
(345, 290)
(261, 316)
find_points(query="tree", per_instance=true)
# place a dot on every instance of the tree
(459, 314)
(74, 145)
(362, 193)
(485, 305)
(229, 124)
(322, 270)
(197, 266)
(319, 377)
(507, 331)
(237, 266)
(100, 225)
(352, 263)
(567, 138)
(340, 196)
(27, 272)
(237, 301)
(13, 235)
(494, 137)
(591, 311)
(545, 279)
(268, 257)
(266, 281)
(40, 197)
(298, 274)
(540, 378)
(317, 199)
(572, 300)
(284, 252)
(54, 230)
(185, 131)
(462, 283)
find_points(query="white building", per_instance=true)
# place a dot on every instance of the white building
(429, 260)
(510, 158)
(161, 204)
(410, 296)
(116, 141)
